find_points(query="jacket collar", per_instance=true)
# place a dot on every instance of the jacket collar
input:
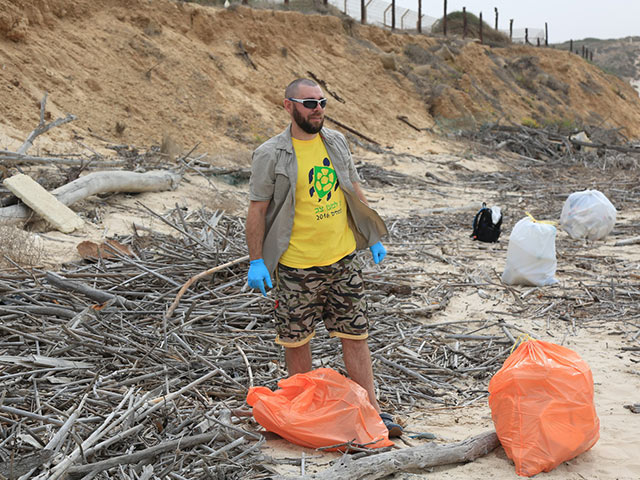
(285, 140)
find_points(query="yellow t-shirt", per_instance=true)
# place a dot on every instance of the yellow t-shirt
(321, 234)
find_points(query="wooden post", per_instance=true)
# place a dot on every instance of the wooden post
(546, 34)
(480, 32)
(393, 15)
(419, 16)
(511, 30)
(363, 13)
(444, 19)
(582, 51)
(464, 22)
(591, 55)
(526, 36)
(496, 10)
(538, 41)
(571, 46)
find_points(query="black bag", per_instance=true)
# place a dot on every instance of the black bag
(483, 227)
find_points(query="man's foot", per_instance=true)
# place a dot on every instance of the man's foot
(395, 430)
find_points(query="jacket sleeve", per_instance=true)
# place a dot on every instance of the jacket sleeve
(262, 180)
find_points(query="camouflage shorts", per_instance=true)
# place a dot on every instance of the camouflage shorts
(333, 293)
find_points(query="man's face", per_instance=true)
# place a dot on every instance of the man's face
(309, 120)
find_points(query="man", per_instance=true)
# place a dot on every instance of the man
(307, 216)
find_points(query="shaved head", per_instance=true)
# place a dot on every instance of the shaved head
(292, 88)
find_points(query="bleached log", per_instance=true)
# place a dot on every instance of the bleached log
(98, 182)
(407, 459)
(13, 158)
(627, 241)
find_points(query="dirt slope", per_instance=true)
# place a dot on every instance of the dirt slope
(135, 71)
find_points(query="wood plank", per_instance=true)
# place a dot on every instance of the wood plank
(43, 203)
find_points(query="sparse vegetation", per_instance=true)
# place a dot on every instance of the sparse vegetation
(529, 122)
(455, 25)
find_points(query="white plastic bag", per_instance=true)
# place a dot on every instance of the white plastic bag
(531, 254)
(588, 214)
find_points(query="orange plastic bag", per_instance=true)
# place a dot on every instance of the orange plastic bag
(542, 406)
(318, 409)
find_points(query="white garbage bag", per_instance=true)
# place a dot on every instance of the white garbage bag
(531, 254)
(588, 214)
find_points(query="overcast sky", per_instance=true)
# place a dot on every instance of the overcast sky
(567, 19)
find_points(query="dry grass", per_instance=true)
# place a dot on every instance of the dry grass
(18, 247)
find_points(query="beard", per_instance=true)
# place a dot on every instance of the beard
(305, 124)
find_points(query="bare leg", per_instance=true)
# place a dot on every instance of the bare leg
(357, 360)
(298, 359)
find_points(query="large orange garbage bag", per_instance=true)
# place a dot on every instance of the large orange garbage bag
(318, 409)
(542, 406)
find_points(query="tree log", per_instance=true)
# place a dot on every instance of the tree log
(98, 182)
(407, 459)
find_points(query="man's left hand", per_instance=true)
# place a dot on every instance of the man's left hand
(378, 251)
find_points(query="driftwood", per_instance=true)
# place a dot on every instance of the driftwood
(92, 293)
(408, 459)
(627, 241)
(99, 182)
(16, 467)
(197, 277)
(352, 130)
(146, 454)
(13, 158)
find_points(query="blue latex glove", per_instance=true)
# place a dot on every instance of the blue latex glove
(258, 275)
(378, 251)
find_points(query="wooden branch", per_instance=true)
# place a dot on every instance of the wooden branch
(407, 459)
(404, 119)
(627, 241)
(43, 127)
(92, 293)
(147, 453)
(16, 467)
(13, 158)
(197, 277)
(98, 182)
(352, 130)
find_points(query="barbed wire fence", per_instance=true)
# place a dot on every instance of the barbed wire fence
(389, 15)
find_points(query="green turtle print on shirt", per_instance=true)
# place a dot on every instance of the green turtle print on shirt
(323, 180)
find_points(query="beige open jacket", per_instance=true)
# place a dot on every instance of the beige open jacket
(274, 172)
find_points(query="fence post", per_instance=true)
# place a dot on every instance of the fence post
(590, 55)
(419, 16)
(363, 13)
(511, 30)
(526, 36)
(571, 45)
(402, 18)
(538, 41)
(464, 22)
(546, 34)
(496, 10)
(393, 15)
(444, 19)
(582, 51)
(481, 39)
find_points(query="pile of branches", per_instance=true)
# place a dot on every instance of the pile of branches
(110, 364)
(551, 143)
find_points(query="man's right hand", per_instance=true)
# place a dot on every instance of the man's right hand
(258, 275)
